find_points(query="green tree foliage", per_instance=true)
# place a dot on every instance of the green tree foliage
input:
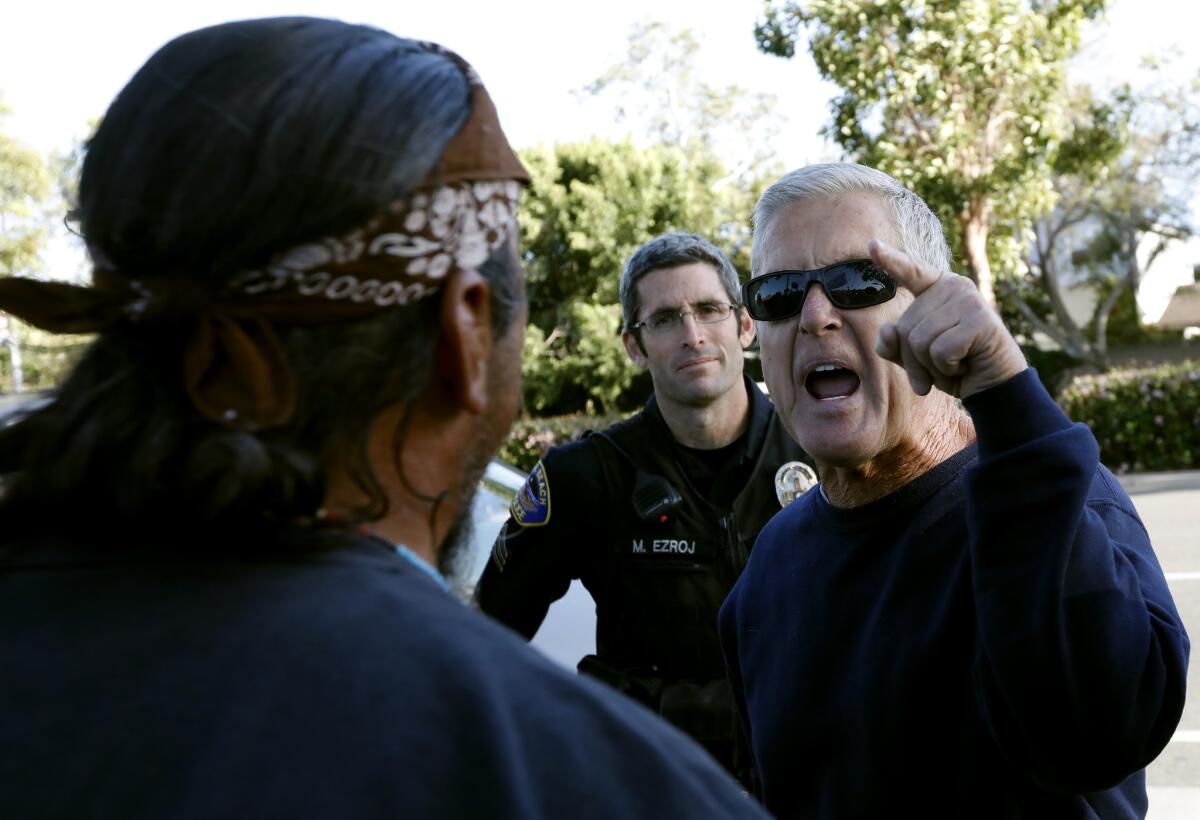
(656, 90)
(25, 194)
(1097, 135)
(590, 205)
(1124, 176)
(1147, 194)
(532, 437)
(25, 189)
(958, 99)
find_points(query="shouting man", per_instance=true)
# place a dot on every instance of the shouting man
(967, 619)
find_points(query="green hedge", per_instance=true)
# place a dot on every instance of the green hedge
(532, 437)
(1144, 419)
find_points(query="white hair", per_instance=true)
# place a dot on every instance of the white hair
(918, 230)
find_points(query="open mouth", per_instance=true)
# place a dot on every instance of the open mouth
(826, 382)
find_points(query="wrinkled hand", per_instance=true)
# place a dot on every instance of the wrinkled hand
(948, 337)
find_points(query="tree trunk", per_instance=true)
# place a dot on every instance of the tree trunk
(1100, 320)
(18, 367)
(9, 339)
(1073, 339)
(1133, 272)
(974, 225)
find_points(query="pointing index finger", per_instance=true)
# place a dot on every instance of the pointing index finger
(907, 272)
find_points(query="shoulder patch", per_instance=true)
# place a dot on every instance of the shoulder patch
(531, 505)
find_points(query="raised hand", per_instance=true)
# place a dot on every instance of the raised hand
(948, 337)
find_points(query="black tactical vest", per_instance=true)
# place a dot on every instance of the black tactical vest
(666, 578)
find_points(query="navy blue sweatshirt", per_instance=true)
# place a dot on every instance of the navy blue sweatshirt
(303, 679)
(995, 639)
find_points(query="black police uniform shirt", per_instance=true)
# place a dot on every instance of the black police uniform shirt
(657, 584)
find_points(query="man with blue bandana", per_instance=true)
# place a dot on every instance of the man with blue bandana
(222, 540)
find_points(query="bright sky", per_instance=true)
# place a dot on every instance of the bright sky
(61, 63)
(61, 66)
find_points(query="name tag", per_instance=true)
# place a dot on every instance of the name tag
(657, 549)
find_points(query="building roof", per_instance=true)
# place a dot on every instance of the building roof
(1183, 310)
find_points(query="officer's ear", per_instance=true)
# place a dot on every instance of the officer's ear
(746, 327)
(633, 346)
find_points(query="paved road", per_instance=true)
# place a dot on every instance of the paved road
(1169, 504)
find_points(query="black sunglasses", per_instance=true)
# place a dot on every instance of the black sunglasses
(857, 283)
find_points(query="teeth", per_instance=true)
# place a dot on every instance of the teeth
(825, 368)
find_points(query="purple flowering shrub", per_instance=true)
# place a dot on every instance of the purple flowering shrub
(1144, 418)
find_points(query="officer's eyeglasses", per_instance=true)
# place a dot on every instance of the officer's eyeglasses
(668, 320)
(858, 283)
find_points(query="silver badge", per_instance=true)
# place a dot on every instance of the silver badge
(793, 480)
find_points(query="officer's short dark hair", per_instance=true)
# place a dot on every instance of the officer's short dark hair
(672, 250)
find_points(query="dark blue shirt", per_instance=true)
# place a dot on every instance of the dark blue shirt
(304, 680)
(995, 639)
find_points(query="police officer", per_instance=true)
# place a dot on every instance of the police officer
(657, 515)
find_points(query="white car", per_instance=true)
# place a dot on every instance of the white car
(569, 631)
